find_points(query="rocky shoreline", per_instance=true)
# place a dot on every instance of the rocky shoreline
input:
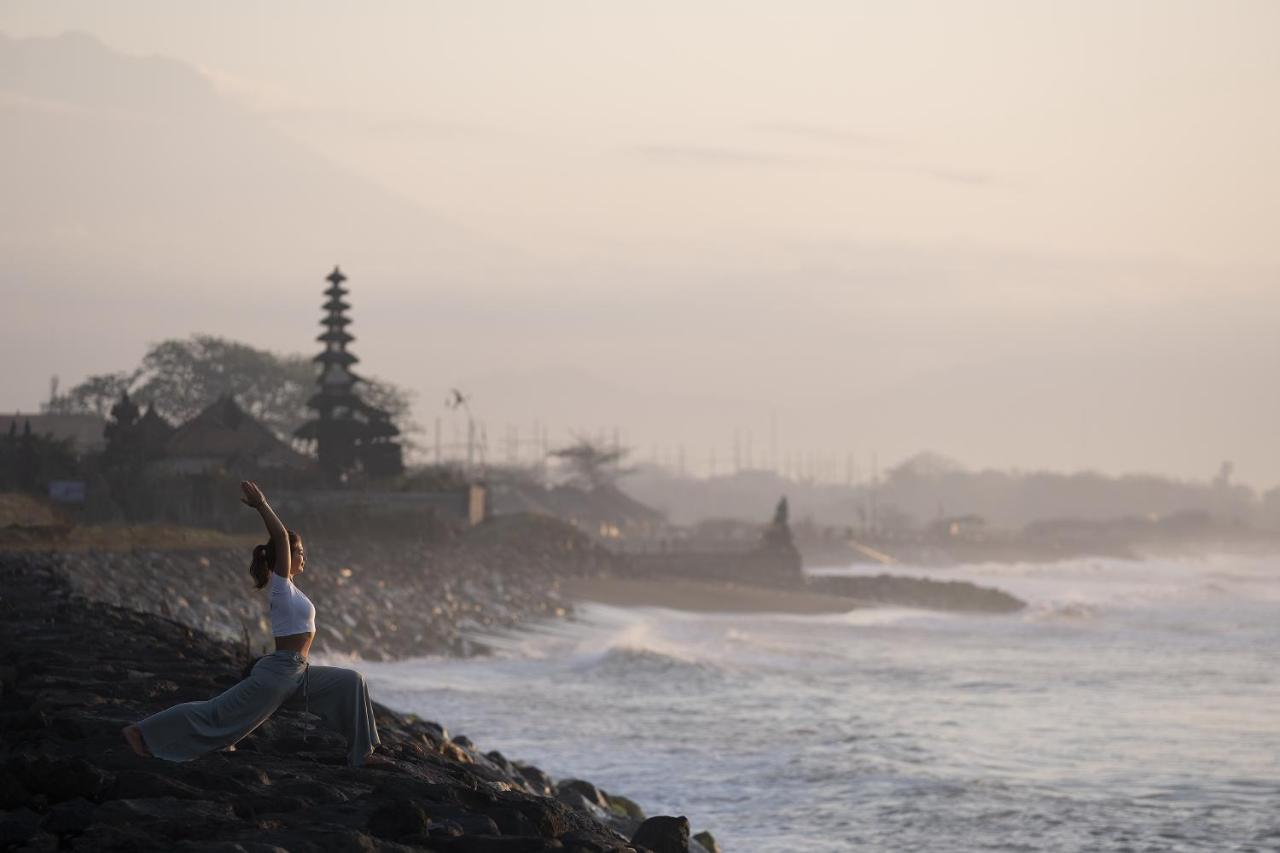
(381, 599)
(76, 672)
(387, 599)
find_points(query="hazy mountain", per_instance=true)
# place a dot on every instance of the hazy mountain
(133, 171)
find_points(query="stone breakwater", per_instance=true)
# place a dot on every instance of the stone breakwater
(74, 673)
(379, 600)
(900, 591)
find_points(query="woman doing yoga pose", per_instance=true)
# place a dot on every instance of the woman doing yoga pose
(283, 679)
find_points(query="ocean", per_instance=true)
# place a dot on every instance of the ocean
(1134, 706)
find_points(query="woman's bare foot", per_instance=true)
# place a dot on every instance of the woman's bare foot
(375, 759)
(133, 735)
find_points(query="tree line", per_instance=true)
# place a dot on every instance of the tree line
(180, 378)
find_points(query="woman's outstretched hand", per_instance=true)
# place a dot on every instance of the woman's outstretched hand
(253, 496)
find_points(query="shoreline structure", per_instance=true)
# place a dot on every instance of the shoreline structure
(391, 598)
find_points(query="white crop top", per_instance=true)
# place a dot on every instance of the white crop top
(291, 611)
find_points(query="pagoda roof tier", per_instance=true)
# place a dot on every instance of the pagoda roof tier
(332, 428)
(336, 276)
(328, 399)
(347, 428)
(335, 336)
(337, 320)
(346, 375)
(342, 384)
(382, 428)
(336, 304)
(335, 357)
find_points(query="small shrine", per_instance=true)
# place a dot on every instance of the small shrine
(350, 435)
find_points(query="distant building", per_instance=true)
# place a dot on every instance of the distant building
(224, 437)
(349, 434)
(190, 470)
(84, 431)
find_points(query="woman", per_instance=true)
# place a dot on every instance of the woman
(339, 696)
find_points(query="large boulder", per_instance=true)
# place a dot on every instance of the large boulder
(663, 834)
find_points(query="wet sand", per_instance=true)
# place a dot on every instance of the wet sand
(702, 596)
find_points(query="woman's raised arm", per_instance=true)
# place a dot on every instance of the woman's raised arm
(254, 497)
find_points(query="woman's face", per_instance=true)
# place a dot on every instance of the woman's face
(299, 560)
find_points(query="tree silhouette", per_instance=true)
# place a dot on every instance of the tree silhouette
(591, 465)
(181, 378)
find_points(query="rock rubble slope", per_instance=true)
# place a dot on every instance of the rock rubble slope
(75, 672)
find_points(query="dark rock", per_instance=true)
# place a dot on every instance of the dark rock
(499, 760)
(708, 842)
(250, 775)
(68, 728)
(438, 829)
(398, 819)
(625, 807)
(552, 818)
(41, 842)
(25, 720)
(575, 800)
(17, 826)
(186, 813)
(663, 834)
(69, 818)
(592, 794)
(139, 784)
(63, 779)
(311, 790)
(495, 844)
(623, 825)
(539, 782)
(276, 804)
(583, 842)
(475, 824)
(134, 839)
(228, 847)
(512, 821)
(12, 792)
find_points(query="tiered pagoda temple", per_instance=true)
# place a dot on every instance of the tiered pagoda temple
(350, 435)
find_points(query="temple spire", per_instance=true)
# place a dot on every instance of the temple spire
(350, 435)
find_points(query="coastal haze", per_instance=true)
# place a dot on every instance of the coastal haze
(1018, 235)
(849, 425)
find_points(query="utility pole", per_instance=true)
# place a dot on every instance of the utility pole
(875, 488)
(773, 441)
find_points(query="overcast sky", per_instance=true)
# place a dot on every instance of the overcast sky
(1032, 234)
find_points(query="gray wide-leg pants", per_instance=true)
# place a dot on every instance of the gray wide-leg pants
(338, 696)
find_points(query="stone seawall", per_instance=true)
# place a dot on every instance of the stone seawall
(902, 591)
(379, 600)
(772, 567)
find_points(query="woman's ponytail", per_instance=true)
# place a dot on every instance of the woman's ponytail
(260, 568)
(264, 560)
